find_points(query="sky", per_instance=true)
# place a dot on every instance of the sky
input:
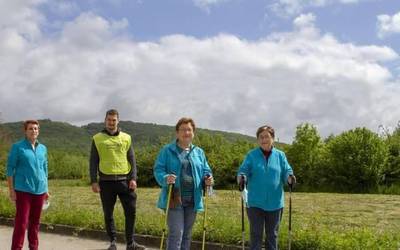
(232, 65)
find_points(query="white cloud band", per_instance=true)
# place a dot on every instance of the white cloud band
(223, 82)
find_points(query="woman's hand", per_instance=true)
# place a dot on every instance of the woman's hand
(209, 180)
(12, 195)
(171, 179)
(291, 180)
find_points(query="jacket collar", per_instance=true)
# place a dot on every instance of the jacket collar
(261, 151)
(108, 133)
(173, 146)
(30, 144)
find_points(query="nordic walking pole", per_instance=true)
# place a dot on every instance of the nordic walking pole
(290, 216)
(205, 190)
(243, 224)
(204, 221)
(241, 188)
(166, 215)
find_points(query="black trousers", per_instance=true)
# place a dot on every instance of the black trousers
(109, 190)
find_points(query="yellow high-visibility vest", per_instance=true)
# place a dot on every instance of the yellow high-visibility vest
(113, 153)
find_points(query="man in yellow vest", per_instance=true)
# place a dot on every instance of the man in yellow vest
(112, 159)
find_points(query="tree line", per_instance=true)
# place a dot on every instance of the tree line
(357, 161)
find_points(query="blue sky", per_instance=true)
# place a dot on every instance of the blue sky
(230, 64)
(355, 21)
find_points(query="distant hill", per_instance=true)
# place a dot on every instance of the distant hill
(64, 136)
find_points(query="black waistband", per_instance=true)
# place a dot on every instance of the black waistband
(113, 177)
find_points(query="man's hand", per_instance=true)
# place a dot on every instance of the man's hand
(95, 187)
(132, 184)
(46, 196)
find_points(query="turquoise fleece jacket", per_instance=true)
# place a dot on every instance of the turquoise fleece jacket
(28, 167)
(265, 179)
(168, 163)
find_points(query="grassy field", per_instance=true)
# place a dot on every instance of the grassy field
(320, 220)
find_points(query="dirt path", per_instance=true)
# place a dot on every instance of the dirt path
(49, 241)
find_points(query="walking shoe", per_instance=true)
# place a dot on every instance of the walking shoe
(113, 246)
(135, 246)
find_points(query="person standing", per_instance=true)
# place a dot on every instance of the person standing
(27, 173)
(265, 170)
(184, 166)
(112, 161)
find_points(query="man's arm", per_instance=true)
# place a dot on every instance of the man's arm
(93, 167)
(132, 175)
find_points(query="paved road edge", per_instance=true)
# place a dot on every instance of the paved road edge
(148, 240)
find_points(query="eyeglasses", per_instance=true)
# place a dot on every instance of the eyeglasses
(185, 130)
(265, 137)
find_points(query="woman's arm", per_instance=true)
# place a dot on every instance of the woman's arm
(11, 189)
(160, 168)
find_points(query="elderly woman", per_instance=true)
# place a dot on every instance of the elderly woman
(27, 183)
(184, 166)
(265, 170)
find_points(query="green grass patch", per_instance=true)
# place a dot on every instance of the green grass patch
(320, 220)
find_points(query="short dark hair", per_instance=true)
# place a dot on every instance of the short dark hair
(185, 120)
(112, 112)
(27, 122)
(267, 128)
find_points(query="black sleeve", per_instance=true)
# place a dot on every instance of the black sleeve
(131, 159)
(94, 163)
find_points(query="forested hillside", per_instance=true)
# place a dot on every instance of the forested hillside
(358, 160)
(62, 135)
(69, 147)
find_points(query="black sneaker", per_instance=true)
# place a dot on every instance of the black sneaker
(135, 246)
(113, 246)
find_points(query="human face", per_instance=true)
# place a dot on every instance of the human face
(32, 132)
(112, 123)
(185, 134)
(265, 140)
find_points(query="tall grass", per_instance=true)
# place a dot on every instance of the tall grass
(320, 221)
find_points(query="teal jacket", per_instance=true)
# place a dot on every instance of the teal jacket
(28, 167)
(265, 180)
(168, 163)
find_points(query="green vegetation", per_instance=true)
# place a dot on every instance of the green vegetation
(320, 220)
(69, 148)
(63, 136)
(355, 161)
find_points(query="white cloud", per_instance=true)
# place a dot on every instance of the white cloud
(207, 4)
(304, 20)
(63, 7)
(89, 30)
(295, 7)
(21, 17)
(388, 25)
(223, 82)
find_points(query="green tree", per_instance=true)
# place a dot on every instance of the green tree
(355, 161)
(391, 173)
(5, 143)
(304, 155)
(145, 158)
